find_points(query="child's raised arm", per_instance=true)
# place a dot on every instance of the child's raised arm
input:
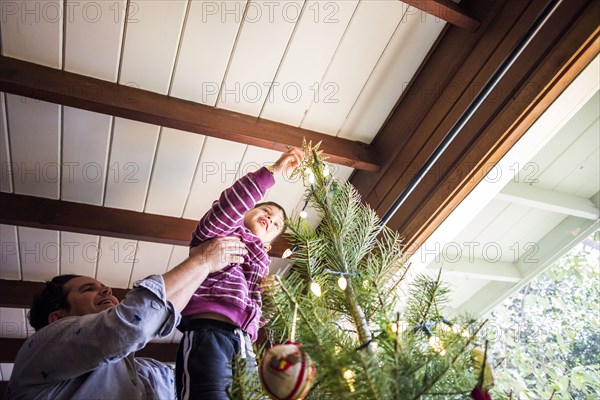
(228, 211)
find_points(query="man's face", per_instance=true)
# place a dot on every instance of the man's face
(88, 296)
(265, 221)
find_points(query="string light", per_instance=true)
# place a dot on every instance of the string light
(399, 326)
(315, 288)
(342, 282)
(349, 377)
(287, 253)
(326, 170)
(437, 345)
(447, 326)
(303, 214)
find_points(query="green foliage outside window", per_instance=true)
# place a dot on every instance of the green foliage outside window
(546, 337)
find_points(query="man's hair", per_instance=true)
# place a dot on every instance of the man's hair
(272, 203)
(52, 297)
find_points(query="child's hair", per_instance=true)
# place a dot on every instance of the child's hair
(52, 297)
(272, 203)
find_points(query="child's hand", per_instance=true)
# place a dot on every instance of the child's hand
(288, 160)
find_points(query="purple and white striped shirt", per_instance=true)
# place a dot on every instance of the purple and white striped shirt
(234, 292)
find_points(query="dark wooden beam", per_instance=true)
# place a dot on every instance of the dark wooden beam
(61, 87)
(447, 11)
(19, 294)
(455, 70)
(165, 352)
(37, 212)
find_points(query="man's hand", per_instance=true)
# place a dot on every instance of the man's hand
(288, 160)
(220, 252)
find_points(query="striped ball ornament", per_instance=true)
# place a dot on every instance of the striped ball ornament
(286, 372)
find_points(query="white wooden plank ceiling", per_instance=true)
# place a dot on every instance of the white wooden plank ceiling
(337, 67)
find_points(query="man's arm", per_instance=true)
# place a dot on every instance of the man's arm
(73, 346)
(211, 256)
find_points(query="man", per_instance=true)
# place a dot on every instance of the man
(85, 339)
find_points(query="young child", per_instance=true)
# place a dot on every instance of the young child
(223, 316)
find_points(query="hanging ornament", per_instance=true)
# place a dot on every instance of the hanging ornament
(286, 372)
(479, 394)
(482, 368)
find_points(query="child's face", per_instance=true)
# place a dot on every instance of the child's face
(265, 221)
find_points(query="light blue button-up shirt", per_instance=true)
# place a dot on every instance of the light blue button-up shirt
(91, 357)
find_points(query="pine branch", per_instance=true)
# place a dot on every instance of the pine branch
(368, 375)
(364, 333)
(433, 381)
(293, 300)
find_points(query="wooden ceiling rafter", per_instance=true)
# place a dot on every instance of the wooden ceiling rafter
(19, 294)
(66, 88)
(447, 11)
(165, 352)
(43, 213)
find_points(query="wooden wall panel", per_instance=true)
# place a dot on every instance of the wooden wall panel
(177, 158)
(32, 30)
(202, 60)
(93, 37)
(6, 182)
(148, 52)
(78, 253)
(10, 263)
(85, 144)
(35, 152)
(399, 62)
(150, 258)
(12, 323)
(307, 58)
(132, 155)
(39, 251)
(115, 261)
(361, 47)
(264, 35)
(217, 169)
(27, 79)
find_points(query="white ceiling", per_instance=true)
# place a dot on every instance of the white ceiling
(337, 67)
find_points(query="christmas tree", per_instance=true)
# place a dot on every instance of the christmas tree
(348, 302)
